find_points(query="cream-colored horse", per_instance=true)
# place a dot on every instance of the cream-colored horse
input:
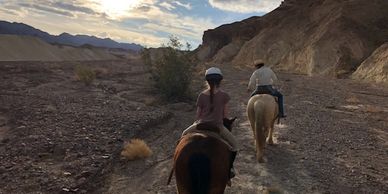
(262, 112)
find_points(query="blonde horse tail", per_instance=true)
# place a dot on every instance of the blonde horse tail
(259, 130)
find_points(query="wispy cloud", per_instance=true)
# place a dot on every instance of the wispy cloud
(142, 21)
(245, 6)
(73, 7)
(147, 22)
(187, 5)
(167, 5)
(45, 8)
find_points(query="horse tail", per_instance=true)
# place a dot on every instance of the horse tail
(259, 117)
(199, 165)
(259, 124)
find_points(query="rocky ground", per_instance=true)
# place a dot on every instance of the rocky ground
(334, 140)
(58, 135)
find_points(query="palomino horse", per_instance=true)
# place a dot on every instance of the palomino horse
(262, 112)
(202, 163)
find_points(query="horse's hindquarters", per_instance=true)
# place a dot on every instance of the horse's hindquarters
(262, 111)
(201, 165)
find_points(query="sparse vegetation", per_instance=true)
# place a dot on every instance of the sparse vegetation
(100, 72)
(145, 55)
(373, 109)
(172, 72)
(85, 74)
(352, 99)
(136, 149)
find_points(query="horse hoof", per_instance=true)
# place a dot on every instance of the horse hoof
(270, 143)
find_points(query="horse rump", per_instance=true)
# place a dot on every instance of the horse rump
(199, 167)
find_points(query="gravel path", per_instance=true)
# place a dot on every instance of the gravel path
(334, 140)
(57, 135)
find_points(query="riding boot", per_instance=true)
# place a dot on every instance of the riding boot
(232, 158)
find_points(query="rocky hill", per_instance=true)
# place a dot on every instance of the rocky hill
(28, 48)
(314, 37)
(375, 67)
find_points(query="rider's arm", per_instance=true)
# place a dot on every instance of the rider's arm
(198, 114)
(252, 82)
(226, 111)
(275, 79)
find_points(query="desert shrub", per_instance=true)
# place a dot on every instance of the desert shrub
(146, 56)
(373, 109)
(85, 74)
(352, 99)
(136, 149)
(100, 72)
(172, 73)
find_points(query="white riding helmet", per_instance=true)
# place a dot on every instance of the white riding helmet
(213, 72)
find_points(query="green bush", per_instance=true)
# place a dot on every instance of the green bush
(85, 74)
(172, 72)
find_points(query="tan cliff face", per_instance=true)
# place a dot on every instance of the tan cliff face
(375, 67)
(314, 37)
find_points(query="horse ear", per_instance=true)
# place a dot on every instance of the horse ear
(228, 123)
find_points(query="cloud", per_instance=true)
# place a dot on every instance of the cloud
(167, 6)
(187, 5)
(46, 9)
(146, 22)
(245, 6)
(71, 7)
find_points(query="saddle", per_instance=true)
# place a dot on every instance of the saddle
(208, 126)
(263, 90)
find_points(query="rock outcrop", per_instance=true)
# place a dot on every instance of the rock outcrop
(314, 37)
(375, 67)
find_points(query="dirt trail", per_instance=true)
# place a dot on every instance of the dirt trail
(334, 140)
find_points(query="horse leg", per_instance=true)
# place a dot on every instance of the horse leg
(260, 143)
(270, 134)
(251, 118)
(270, 140)
(271, 125)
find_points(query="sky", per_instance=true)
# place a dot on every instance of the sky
(145, 22)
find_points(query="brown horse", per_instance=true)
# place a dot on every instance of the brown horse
(202, 163)
(262, 112)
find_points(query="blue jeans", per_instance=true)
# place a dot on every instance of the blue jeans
(268, 89)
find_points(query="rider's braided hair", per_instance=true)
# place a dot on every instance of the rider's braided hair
(213, 81)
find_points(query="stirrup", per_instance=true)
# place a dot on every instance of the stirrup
(232, 174)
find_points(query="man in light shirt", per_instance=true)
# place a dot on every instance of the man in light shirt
(261, 82)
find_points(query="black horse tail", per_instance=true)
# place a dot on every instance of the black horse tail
(199, 165)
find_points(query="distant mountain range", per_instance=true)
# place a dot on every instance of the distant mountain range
(64, 38)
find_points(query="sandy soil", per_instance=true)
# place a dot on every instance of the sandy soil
(59, 136)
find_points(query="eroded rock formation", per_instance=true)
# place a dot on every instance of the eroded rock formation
(314, 37)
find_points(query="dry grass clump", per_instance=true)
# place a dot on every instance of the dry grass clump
(136, 149)
(372, 109)
(272, 190)
(150, 101)
(101, 72)
(352, 99)
(85, 74)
